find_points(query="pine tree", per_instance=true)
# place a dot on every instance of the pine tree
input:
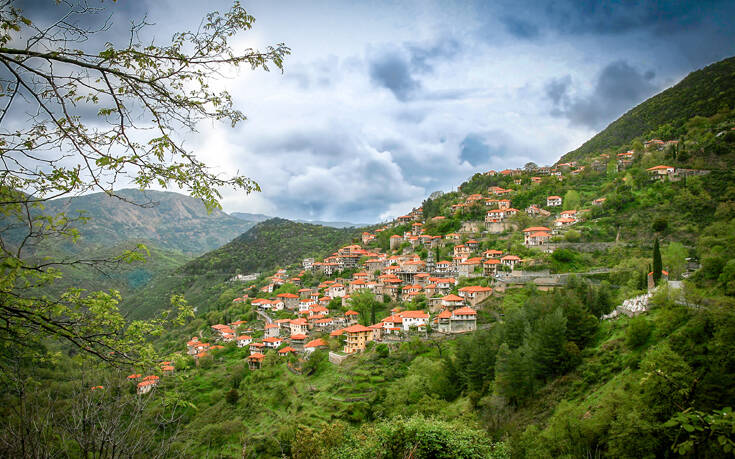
(657, 265)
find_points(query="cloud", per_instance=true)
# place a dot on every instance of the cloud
(520, 28)
(398, 68)
(618, 88)
(474, 150)
(392, 70)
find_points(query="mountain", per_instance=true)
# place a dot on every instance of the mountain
(257, 218)
(274, 242)
(168, 220)
(702, 93)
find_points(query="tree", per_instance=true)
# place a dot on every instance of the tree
(571, 200)
(530, 166)
(657, 264)
(364, 302)
(674, 257)
(76, 119)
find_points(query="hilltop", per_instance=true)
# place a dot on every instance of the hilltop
(257, 218)
(702, 93)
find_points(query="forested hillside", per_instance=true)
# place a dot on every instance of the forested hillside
(702, 93)
(274, 242)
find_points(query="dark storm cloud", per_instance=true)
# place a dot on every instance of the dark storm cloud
(424, 57)
(557, 89)
(474, 150)
(525, 19)
(619, 87)
(398, 69)
(520, 28)
(393, 71)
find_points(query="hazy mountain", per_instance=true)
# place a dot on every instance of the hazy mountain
(257, 218)
(169, 220)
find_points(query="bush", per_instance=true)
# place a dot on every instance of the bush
(637, 332)
(232, 396)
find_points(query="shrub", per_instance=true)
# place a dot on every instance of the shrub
(637, 332)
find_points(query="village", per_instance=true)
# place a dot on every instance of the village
(433, 297)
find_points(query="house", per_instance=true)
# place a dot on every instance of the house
(452, 302)
(599, 201)
(290, 300)
(492, 253)
(313, 345)
(510, 260)
(417, 319)
(261, 303)
(569, 214)
(271, 330)
(255, 361)
(443, 266)
(357, 338)
(490, 267)
(475, 293)
(244, 340)
(510, 211)
(553, 201)
(392, 324)
(146, 386)
(661, 172)
(336, 291)
(452, 237)
(168, 370)
(564, 221)
(286, 351)
(272, 343)
(536, 235)
(460, 320)
(298, 340)
(256, 348)
(534, 210)
(306, 304)
(494, 216)
(299, 326)
(351, 316)
(377, 331)
(134, 377)
(467, 267)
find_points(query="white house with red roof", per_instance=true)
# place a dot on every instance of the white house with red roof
(299, 326)
(461, 320)
(553, 201)
(244, 340)
(510, 260)
(536, 235)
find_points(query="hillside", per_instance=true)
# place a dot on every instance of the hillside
(203, 281)
(702, 93)
(168, 220)
(274, 242)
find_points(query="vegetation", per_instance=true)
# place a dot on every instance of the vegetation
(274, 242)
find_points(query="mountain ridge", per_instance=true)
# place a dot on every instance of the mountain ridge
(701, 93)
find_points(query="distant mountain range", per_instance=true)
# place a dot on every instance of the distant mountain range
(169, 220)
(257, 218)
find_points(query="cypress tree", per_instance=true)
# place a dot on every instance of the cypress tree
(657, 265)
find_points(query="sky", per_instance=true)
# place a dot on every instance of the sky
(382, 103)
